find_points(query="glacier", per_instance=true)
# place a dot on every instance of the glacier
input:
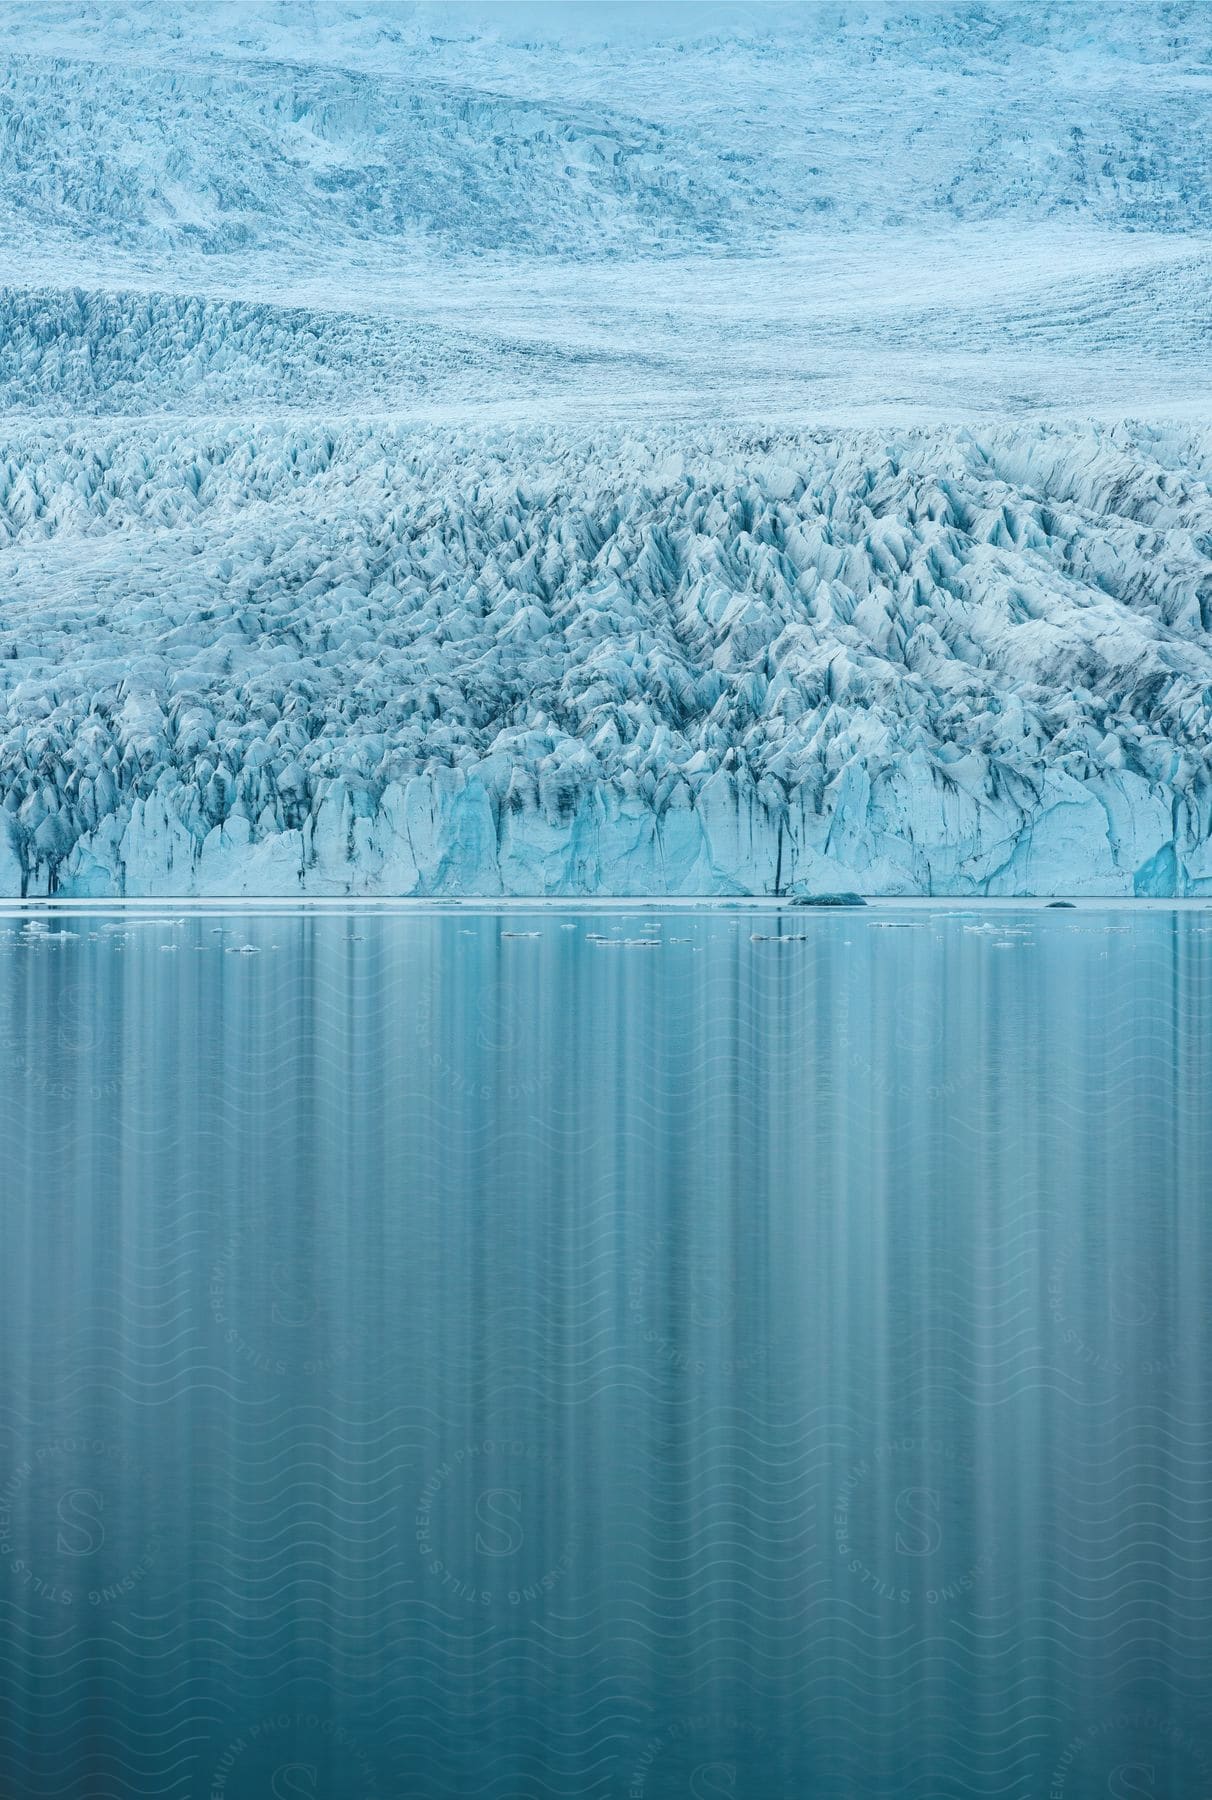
(295, 661)
(453, 449)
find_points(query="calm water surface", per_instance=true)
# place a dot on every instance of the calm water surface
(706, 1354)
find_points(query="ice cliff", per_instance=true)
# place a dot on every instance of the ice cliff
(288, 660)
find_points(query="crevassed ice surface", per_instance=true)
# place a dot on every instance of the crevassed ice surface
(330, 662)
(536, 450)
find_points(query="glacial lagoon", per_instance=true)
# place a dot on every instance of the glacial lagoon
(571, 1352)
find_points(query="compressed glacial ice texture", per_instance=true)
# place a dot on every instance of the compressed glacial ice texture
(295, 661)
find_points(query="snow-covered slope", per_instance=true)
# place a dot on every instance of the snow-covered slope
(605, 447)
(292, 661)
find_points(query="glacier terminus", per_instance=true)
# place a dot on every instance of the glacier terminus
(605, 450)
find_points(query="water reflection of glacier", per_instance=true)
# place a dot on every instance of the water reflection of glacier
(446, 1359)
